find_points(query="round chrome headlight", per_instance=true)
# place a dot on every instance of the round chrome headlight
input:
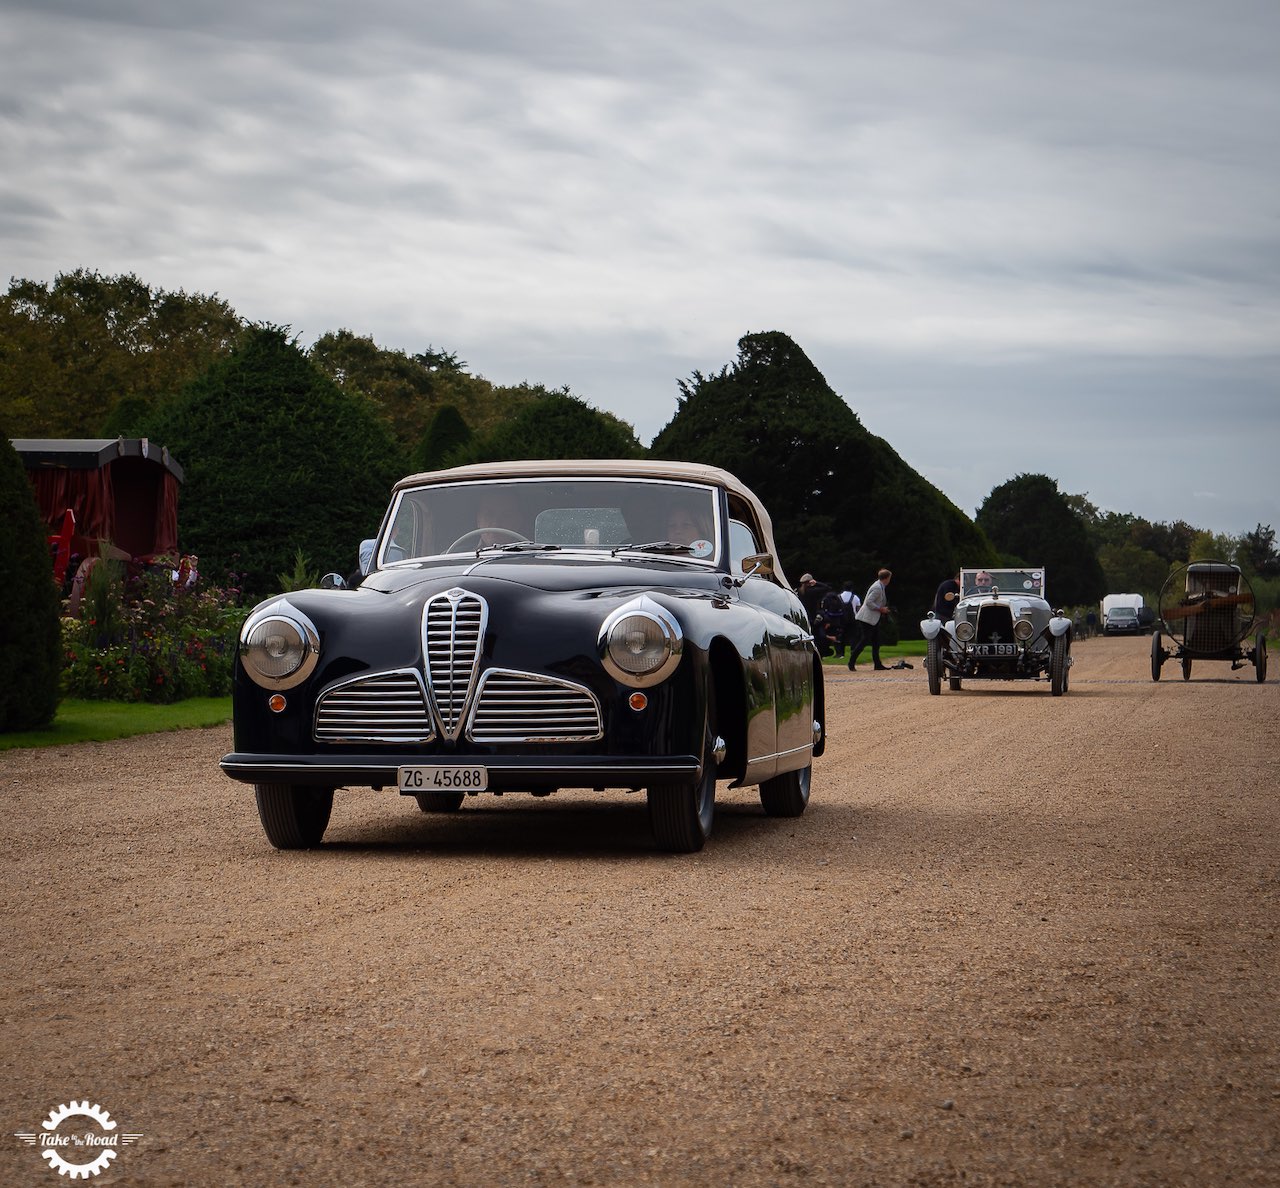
(1024, 629)
(279, 646)
(964, 631)
(640, 643)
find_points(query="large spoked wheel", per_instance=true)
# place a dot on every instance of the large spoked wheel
(1260, 657)
(1158, 656)
(440, 802)
(471, 540)
(933, 666)
(293, 817)
(787, 795)
(1186, 668)
(681, 814)
(1058, 667)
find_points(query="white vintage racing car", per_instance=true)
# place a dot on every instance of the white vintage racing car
(1003, 630)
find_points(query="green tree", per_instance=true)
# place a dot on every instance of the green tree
(1128, 569)
(556, 425)
(447, 434)
(1029, 520)
(277, 459)
(30, 643)
(842, 501)
(409, 390)
(1258, 551)
(72, 350)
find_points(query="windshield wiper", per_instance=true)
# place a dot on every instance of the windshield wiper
(518, 546)
(657, 546)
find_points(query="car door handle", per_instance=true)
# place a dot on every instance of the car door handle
(799, 641)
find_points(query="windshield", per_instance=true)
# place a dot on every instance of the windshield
(580, 513)
(1007, 581)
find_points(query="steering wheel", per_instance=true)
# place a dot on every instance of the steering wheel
(476, 535)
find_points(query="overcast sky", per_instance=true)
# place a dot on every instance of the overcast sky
(1014, 237)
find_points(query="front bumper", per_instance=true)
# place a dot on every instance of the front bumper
(506, 773)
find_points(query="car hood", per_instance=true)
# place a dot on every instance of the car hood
(585, 573)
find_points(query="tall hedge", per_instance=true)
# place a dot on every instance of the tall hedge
(30, 643)
(843, 502)
(277, 459)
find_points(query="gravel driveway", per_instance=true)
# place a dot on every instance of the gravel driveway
(1015, 940)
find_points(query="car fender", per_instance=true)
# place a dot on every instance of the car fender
(1059, 625)
(930, 627)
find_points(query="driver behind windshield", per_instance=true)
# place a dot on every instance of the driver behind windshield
(684, 525)
(497, 509)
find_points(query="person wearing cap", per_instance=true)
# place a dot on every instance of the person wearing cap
(810, 591)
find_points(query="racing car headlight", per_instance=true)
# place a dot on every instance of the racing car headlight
(964, 631)
(279, 646)
(1023, 629)
(640, 643)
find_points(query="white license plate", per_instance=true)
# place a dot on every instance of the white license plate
(443, 779)
(995, 649)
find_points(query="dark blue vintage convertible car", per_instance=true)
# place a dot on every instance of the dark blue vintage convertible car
(529, 626)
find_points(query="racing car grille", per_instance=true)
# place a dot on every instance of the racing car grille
(521, 707)
(452, 628)
(995, 624)
(390, 707)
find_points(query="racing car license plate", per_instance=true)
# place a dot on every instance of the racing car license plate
(442, 779)
(995, 649)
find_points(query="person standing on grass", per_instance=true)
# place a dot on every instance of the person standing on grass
(874, 607)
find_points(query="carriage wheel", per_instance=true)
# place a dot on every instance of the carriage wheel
(1186, 668)
(1158, 656)
(1260, 657)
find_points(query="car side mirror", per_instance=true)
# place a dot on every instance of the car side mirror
(758, 565)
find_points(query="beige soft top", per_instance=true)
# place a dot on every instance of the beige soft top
(681, 472)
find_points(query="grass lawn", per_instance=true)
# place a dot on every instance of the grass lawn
(889, 655)
(101, 721)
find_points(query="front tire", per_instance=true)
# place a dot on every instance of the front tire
(1186, 668)
(293, 817)
(1058, 667)
(440, 802)
(681, 814)
(933, 666)
(1260, 656)
(1157, 656)
(787, 795)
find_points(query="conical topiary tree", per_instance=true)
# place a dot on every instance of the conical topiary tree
(30, 631)
(843, 502)
(447, 434)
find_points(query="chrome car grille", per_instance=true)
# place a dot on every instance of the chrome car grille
(502, 706)
(452, 627)
(523, 707)
(389, 707)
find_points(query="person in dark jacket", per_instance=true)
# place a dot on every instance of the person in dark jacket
(944, 601)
